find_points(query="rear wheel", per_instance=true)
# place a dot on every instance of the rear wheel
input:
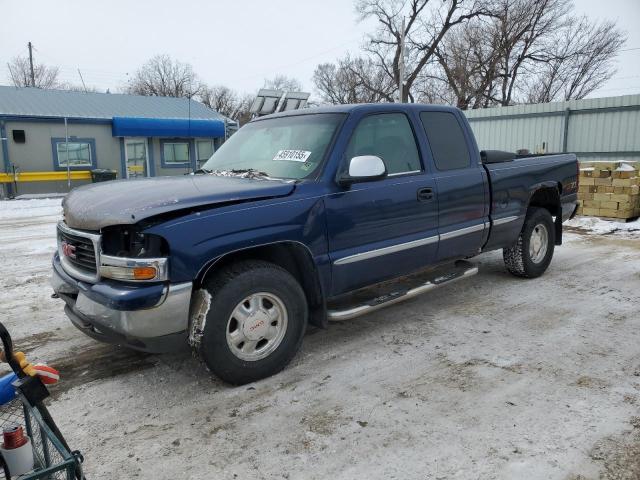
(531, 255)
(256, 322)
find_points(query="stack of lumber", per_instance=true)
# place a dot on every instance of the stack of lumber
(609, 189)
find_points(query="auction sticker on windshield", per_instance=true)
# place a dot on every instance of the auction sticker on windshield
(292, 155)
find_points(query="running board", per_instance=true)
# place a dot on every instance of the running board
(463, 269)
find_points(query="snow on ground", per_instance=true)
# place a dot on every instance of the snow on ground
(599, 226)
(30, 210)
(491, 378)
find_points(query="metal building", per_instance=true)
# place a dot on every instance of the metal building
(604, 129)
(134, 135)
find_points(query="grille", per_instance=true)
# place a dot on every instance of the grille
(85, 254)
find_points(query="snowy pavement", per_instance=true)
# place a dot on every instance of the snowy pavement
(491, 378)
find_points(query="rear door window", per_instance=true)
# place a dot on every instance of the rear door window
(446, 139)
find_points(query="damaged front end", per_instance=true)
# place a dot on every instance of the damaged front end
(200, 306)
(116, 286)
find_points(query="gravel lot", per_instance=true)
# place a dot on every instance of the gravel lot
(491, 378)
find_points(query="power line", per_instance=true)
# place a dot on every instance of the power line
(33, 75)
(303, 60)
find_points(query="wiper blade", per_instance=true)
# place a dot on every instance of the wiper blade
(251, 171)
(203, 170)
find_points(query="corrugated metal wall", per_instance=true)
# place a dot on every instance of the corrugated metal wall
(595, 129)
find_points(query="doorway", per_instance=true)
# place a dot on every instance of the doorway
(137, 157)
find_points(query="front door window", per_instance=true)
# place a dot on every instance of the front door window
(136, 150)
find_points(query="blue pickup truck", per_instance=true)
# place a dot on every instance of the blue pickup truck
(302, 218)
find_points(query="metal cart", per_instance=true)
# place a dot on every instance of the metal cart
(53, 459)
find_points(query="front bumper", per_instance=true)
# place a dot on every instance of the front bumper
(151, 318)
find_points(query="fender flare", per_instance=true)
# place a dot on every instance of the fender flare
(556, 211)
(311, 284)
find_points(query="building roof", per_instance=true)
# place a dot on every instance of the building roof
(36, 102)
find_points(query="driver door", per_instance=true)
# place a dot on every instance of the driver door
(384, 228)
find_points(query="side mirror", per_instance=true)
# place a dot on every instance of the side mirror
(364, 168)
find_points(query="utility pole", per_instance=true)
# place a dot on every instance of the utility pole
(82, 80)
(66, 142)
(33, 76)
(401, 65)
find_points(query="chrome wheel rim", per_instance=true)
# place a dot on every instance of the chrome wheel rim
(256, 326)
(538, 243)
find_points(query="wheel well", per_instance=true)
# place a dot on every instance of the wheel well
(549, 198)
(293, 257)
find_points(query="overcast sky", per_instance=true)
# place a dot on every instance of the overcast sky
(236, 43)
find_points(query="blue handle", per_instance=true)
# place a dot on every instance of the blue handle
(7, 390)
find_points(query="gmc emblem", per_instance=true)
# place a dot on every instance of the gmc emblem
(68, 250)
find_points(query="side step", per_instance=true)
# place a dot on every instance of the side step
(395, 292)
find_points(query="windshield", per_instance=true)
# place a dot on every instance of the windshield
(287, 147)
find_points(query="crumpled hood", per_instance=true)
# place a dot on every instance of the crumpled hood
(119, 202)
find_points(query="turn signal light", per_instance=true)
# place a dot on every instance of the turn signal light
(144, 273)
(133, 269)
(129, 273)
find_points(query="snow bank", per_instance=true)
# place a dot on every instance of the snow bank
(598, 226)
(30, 208)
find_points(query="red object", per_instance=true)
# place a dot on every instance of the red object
(68, 250)
(13, 436)
(47, 374)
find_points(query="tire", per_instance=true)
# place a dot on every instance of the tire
(529, 257)
(250, 300)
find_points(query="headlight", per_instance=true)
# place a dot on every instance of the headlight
(134, 269)
(126, 241)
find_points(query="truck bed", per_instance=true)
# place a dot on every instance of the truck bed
(512, 183)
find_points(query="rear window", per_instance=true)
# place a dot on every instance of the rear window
(446, 139)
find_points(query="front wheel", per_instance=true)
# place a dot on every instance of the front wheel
(256, 321)
(531, 255)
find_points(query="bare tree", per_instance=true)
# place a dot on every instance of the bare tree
(580, 61)
(469, 66)
(475, 53)
(74, 87)
(243, 115)
(353, 80)
(220, 98)
(520, 30)
(162, 76)
(426, 24)
(282, 82)
(20, 74)
(527, 51)
(227, 102)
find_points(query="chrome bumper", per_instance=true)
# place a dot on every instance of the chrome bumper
(160, 327)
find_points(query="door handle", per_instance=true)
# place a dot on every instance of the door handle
(425, 194)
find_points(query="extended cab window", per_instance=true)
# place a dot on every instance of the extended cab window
(447, 142)
(388, 136)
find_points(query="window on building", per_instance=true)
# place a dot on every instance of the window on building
(175, 152)
(447, 142)
(74, 154)
(19, 136)
(204, 150)
(390, 137)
